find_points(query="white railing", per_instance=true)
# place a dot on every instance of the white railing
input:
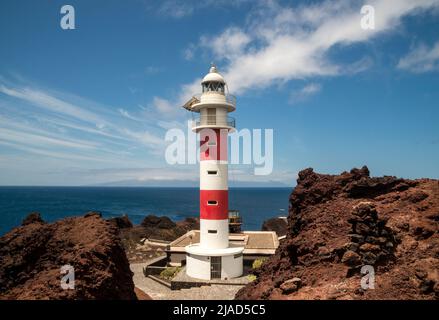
(230, 98)
(214, 121)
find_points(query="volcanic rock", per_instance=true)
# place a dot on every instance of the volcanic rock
(290, 285)
(140, 241)
(121, 222)
(338, 224)
(278, 225)
(158, 228)
(152, 221)
(33, 217)
(32, 257)
(351, 258)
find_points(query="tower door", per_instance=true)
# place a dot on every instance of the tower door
(215, 267)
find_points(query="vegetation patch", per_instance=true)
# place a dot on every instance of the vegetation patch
(169, 273)
(251, 277)
(258, 263)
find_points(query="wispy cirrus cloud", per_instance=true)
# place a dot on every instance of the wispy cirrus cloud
(184, 8)
(51, 103)
(421, 59)
(304, 93)
(57, 124)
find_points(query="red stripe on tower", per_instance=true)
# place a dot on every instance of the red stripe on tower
(214, 204)
(213, 144)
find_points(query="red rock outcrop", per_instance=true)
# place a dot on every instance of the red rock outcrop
(31, 257)
(277, 225)
(340, 223)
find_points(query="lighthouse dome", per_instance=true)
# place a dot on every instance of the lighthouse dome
(213, 76)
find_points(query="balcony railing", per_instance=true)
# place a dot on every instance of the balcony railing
(214, 121)
(230, 98)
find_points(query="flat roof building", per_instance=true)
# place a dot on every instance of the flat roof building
(257, 244)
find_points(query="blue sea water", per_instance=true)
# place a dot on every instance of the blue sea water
(255, 204)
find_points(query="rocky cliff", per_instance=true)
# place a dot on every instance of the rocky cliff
(352, 236)
(31, 257)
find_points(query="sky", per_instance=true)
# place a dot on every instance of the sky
(92, 105)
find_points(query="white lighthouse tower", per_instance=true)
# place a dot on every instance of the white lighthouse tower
(213, 257)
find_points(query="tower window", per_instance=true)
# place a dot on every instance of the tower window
(212, 231)
(213, 86)
(212, 172)
(212, 202)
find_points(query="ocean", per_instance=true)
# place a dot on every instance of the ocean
(54, 203)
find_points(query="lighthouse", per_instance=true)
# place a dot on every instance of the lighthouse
(213, 257)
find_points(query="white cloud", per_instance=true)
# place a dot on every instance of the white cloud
(311, 88)
(48, 122)
(421, 59)
(127, 115)
(176, 9)
(184, 8)
(164, 107)
(278, 43)
(150, 70)
(36, 139)
(304, 93)
(229, 44)
(51, 154)
(296, 42)
(51, 103)
(189, 52)
(145, 137)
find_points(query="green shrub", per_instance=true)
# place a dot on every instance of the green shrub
(169, 272)
(251, 277)
(258, 263)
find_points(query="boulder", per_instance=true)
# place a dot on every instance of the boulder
(290, 285)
